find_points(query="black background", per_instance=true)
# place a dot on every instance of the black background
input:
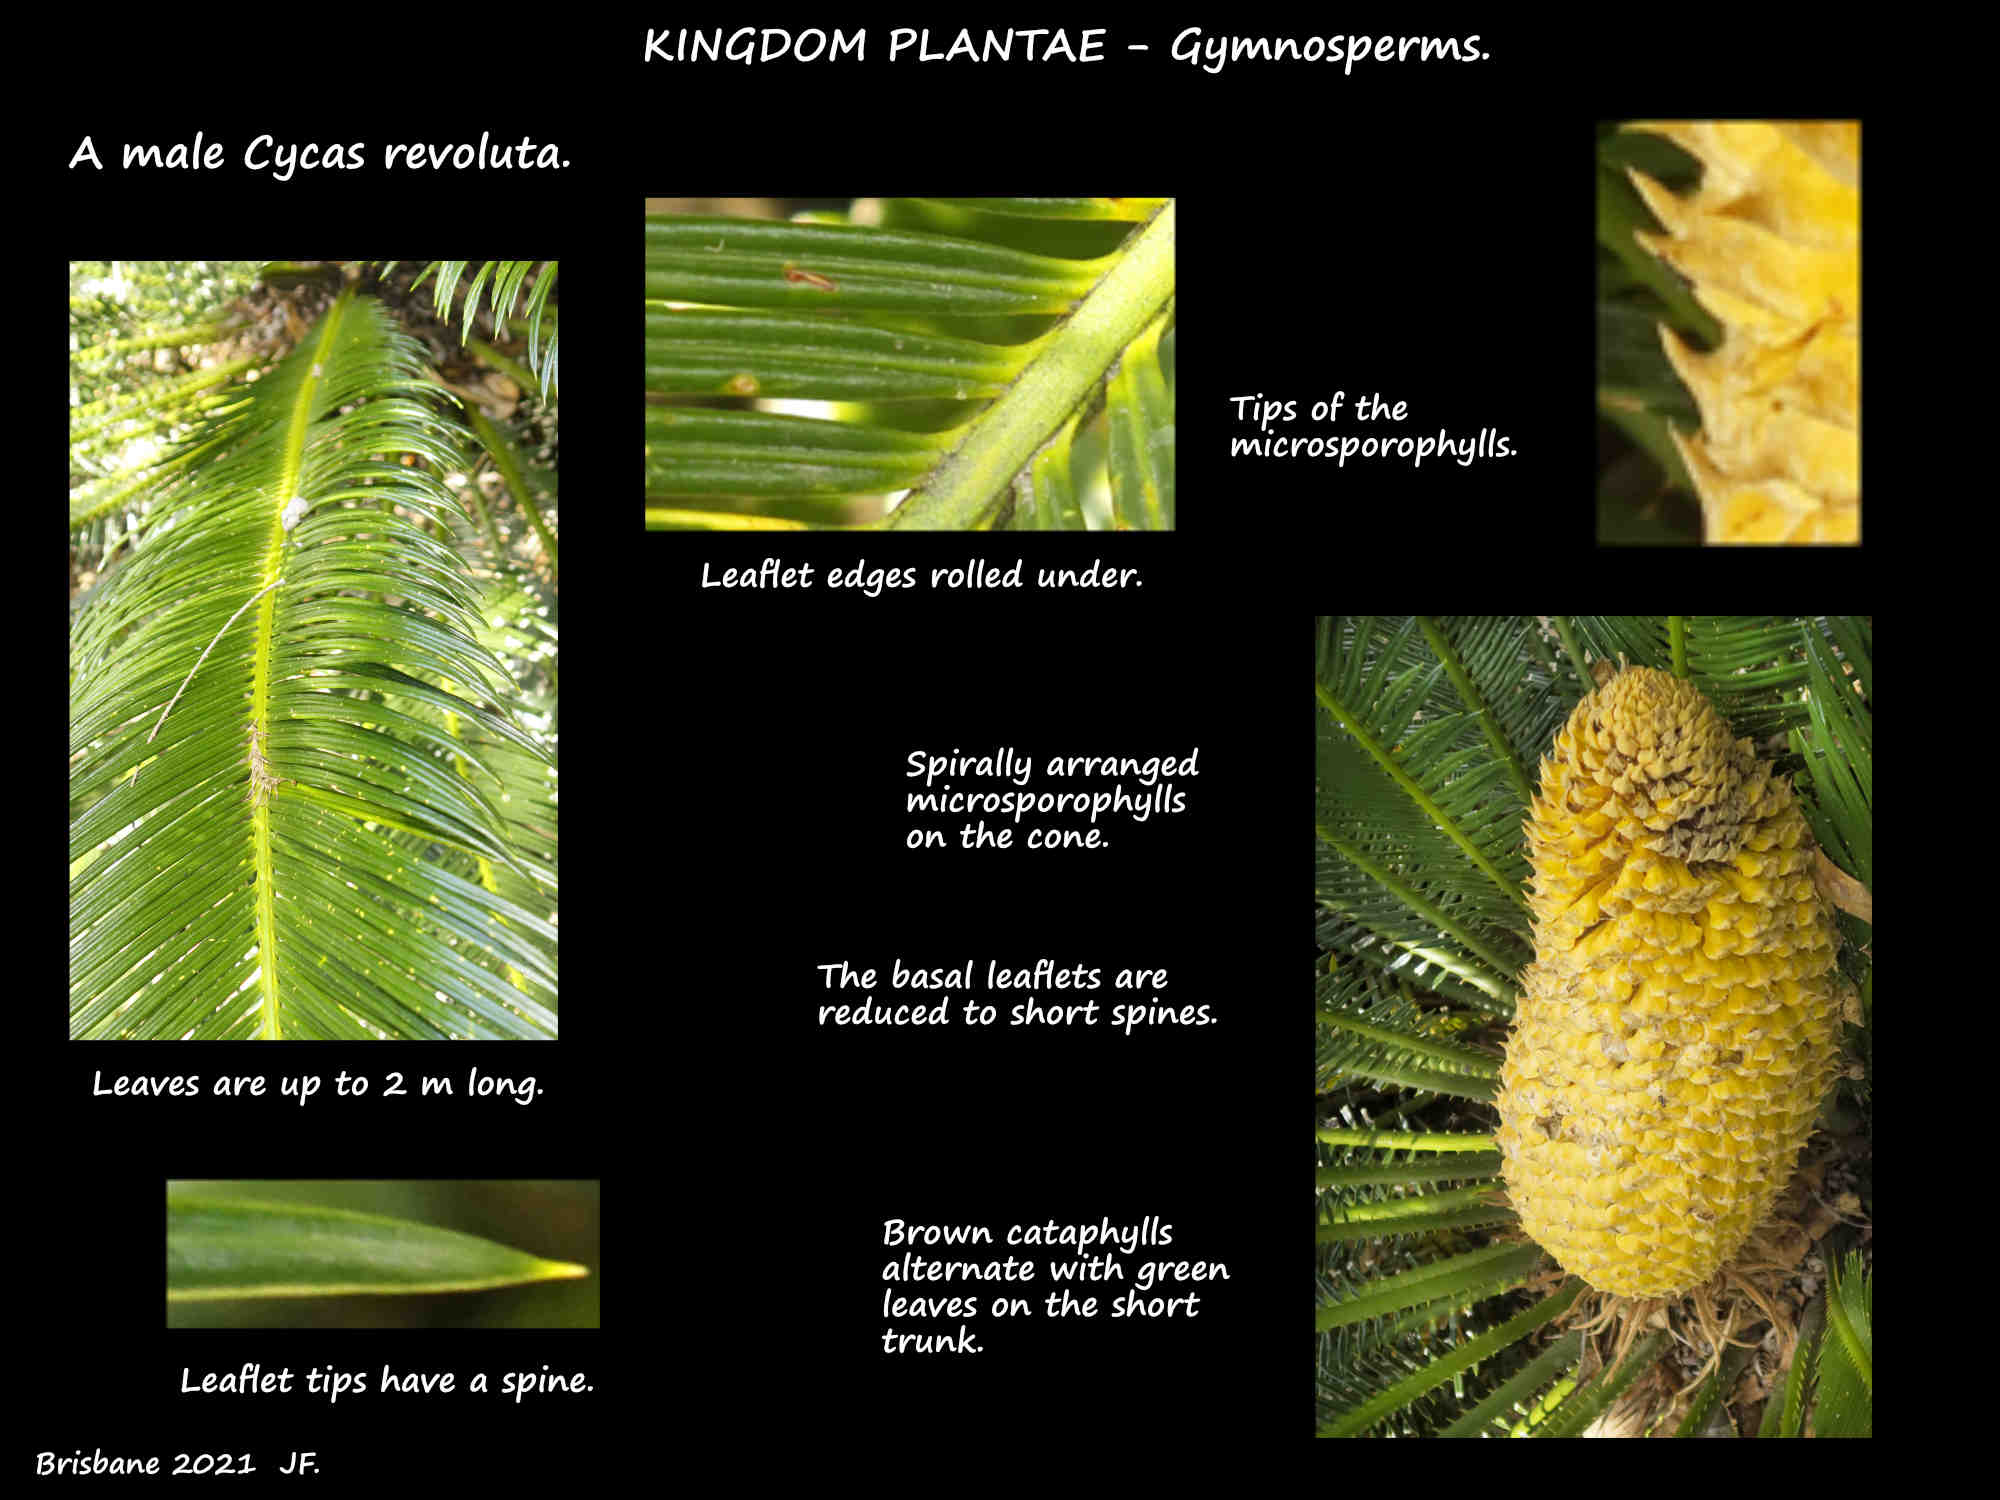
(732, 808)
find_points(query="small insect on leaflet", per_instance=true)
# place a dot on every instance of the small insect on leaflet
(811, 279)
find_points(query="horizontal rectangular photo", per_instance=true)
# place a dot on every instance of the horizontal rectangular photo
(397, 1254)
(910, 364)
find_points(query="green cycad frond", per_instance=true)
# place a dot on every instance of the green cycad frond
(283, 866)
(122, 315)
(906, 328)
(501, 283)
(514, 472)
(1418, 791)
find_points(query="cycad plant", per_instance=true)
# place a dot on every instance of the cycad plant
(1434, 1311)
(972, 364)
(308, 799)
(503, 287)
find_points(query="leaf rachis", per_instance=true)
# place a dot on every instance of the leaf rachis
(262, 782)
(202, 658)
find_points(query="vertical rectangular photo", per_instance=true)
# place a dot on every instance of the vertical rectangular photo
(312, 650)
(1592, 1007)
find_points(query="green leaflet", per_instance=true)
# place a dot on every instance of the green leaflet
(502, 281)
(221, 1248)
